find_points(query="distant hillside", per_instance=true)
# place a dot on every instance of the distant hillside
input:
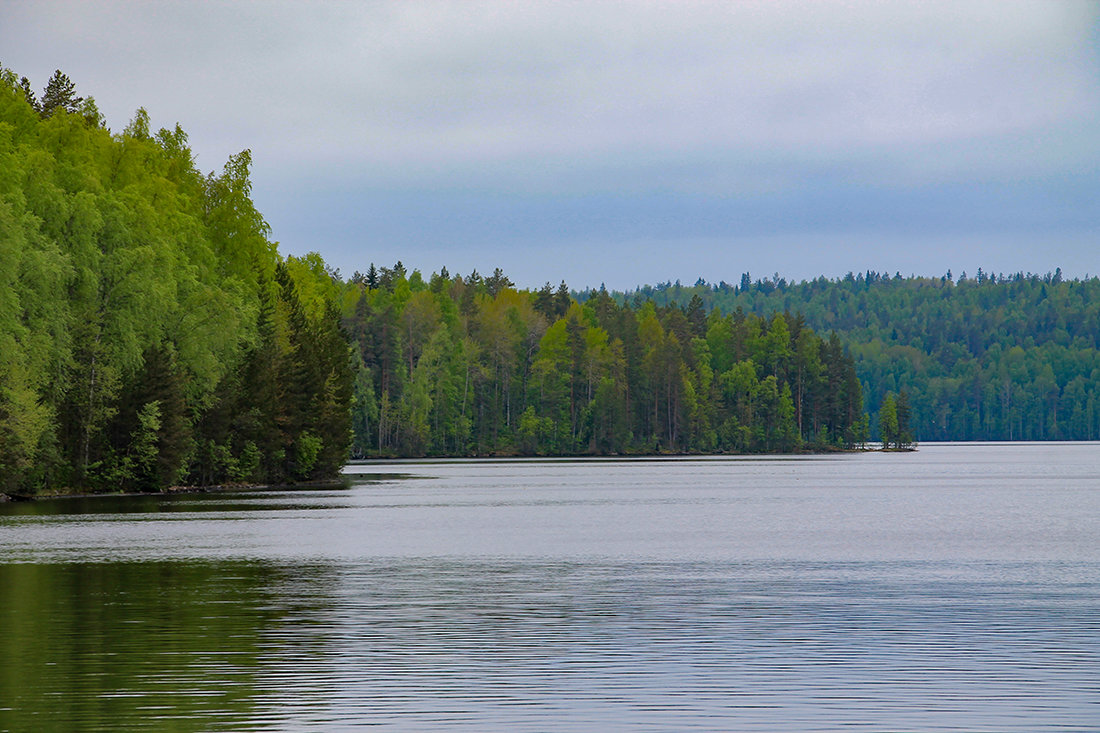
(990, 357)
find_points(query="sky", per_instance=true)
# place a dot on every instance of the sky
(621, 143)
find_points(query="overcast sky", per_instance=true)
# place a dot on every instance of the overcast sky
(621, 143)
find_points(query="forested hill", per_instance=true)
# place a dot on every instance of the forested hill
(982, 358)
(150, 333)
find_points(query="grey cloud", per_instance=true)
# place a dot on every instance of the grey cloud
(389, 83)
(654, 103)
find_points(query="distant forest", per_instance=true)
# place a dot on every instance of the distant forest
(151, 335)
(471, 366)
(982, 357)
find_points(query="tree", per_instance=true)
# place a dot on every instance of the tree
(904, 412)
(697, 316)
(28, 93)
(60, 93)
(888, 421)
(497, 282)
(968, 354)
(494, 377)
(561, 300)
(145, 334)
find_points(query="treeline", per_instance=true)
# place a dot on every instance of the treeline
(457, 365)
(150, 333)
(984, 357)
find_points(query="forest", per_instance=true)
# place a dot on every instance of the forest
(150, 333)
(469, 365)
(981, 357)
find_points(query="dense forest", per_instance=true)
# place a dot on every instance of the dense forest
(982, 357)
(150, 333)
(472, 366)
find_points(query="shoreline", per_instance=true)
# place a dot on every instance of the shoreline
(339, 480)
(170, 491)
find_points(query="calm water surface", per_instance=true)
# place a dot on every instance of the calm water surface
(956, 588)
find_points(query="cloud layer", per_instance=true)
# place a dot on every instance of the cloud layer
(494, 132)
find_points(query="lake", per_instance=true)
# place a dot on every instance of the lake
(954, 588)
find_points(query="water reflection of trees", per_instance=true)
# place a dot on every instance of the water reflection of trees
(167, 646)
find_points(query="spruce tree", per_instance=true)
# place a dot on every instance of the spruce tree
(60, 93)
(28, 93)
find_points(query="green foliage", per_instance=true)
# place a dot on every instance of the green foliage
(307, 451)
(893, 422)
(472, 366)
(991, 357)
(150, 334)
(60, 94)
(144, 450)
(888, 421)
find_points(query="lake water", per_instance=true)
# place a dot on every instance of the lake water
(955, 588)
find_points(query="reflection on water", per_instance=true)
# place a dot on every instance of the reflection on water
(745, 647)
(756, 646)
(153, 646)
(710, 595)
